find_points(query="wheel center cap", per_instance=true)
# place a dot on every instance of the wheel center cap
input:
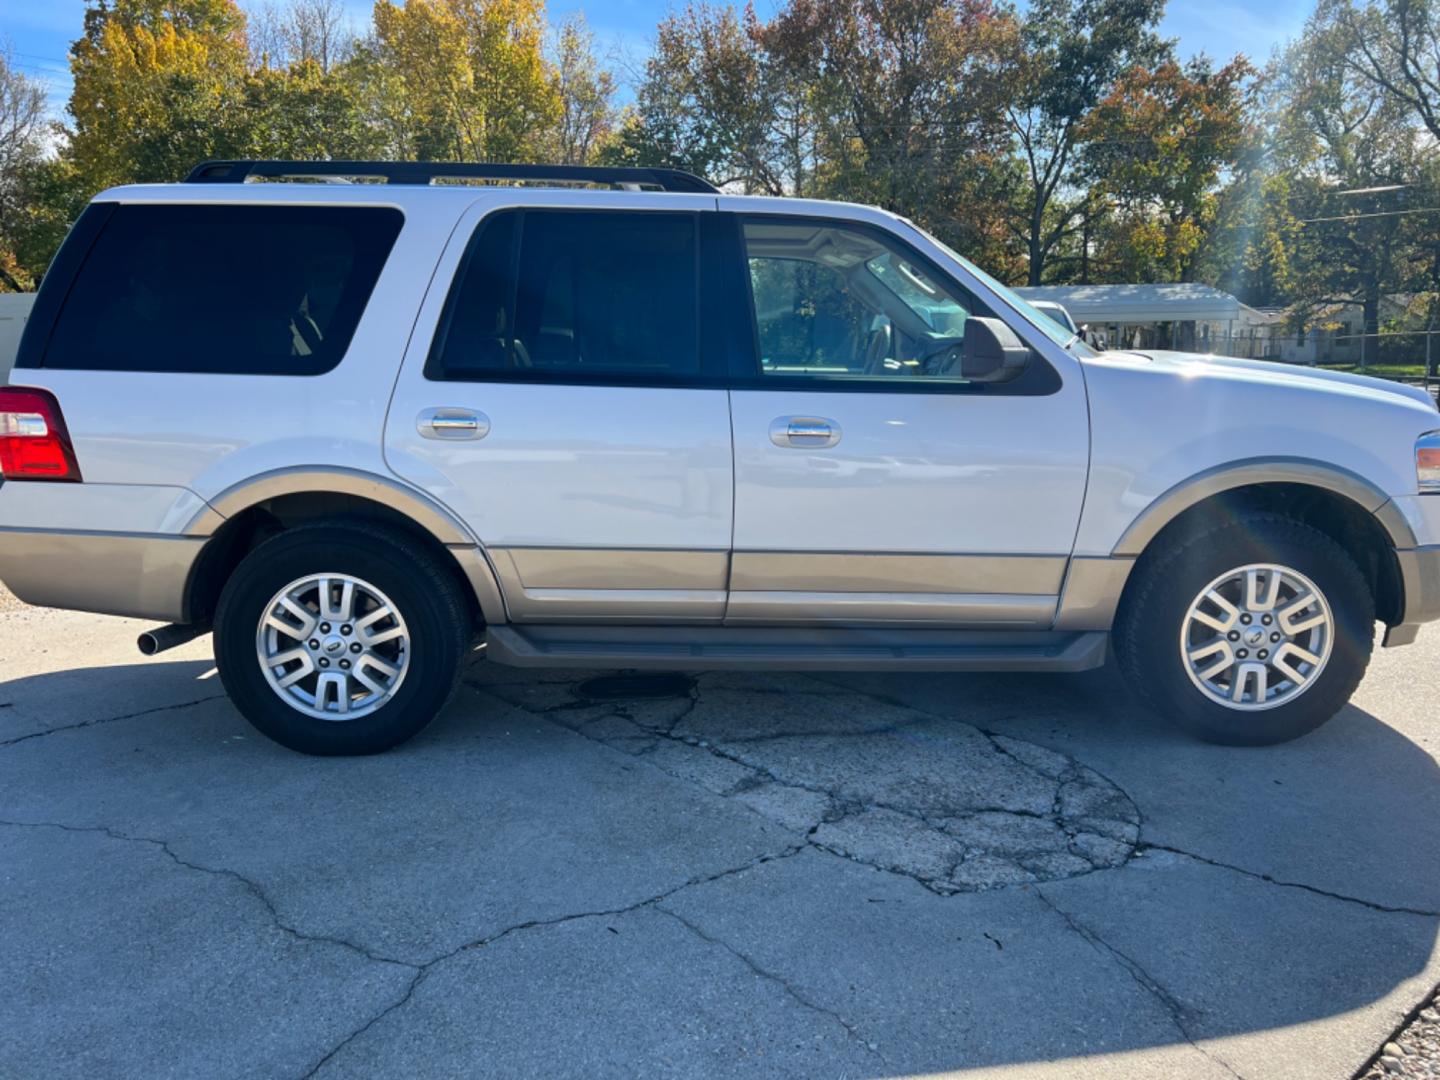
(333, 645)
(1254, 636)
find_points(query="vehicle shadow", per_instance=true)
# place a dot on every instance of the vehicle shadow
(1259, 891)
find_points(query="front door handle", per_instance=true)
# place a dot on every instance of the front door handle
(800, 432)
(452, 424)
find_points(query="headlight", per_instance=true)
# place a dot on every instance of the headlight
(1427, 461)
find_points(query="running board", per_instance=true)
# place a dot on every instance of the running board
(721, 648)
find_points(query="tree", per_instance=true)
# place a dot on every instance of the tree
(1348, 147)
(1156, 147)
(586, 92)
(712, 101)
(305, 113)
(158, 87)
(1394, 45)
(907, 97)
(458, 79)
(303, 30)
(1070, 55)
(22, 121)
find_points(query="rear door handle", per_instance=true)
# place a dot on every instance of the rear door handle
(454, 424)
(804, 432)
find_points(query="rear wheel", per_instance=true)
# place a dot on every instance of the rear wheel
(340, 639)
(1251, 633)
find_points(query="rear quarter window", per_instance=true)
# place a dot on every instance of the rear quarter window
(259, 290)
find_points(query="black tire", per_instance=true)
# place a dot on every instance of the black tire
(1169, 578)
(435, 613)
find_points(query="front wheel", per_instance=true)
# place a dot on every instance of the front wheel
(340, 639)
(1252, 633)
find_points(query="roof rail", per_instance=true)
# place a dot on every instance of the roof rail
(424, 172)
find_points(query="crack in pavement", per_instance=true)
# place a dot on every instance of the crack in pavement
(250, 885)
(778, 980)
(1147, 982)
(1141, 845)
(108, 720)
(845, 806)
(1280, 883)
(423, 970)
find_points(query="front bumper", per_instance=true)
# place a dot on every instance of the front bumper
(144, 576)
(1420, 577)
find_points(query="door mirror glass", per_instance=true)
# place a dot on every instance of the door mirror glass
(993, 352)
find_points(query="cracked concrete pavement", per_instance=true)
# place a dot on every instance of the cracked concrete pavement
(732, 874)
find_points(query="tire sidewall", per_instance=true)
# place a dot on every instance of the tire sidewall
(1154, 633)
(434, 652)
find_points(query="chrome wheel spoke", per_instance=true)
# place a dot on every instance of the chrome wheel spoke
(379, 638)
(1256, 636)
(320, 658)
(1230, 612)
(366, 681)
(373, 661)
(1224, 657)
(1292, 617)
(306, 667)
(1288, 652)
(1262, 589)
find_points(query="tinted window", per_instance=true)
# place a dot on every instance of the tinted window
(832, 300)
(594, 296)
(223, 289)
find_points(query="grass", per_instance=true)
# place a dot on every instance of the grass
(1381, 371)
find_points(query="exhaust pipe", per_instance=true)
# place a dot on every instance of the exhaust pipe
(167, 637)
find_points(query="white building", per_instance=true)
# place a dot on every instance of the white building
(14, 310)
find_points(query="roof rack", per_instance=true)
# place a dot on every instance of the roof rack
(425, 172)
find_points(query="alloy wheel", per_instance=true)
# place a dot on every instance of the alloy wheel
(1257, 637)
(333, 646)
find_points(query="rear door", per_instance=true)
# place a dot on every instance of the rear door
(561, 397)
(873, 483)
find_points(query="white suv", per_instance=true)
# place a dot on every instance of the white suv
(645, 424)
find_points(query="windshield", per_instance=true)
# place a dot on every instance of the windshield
(1042, 322)
(941, 312)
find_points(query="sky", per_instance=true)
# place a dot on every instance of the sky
(39, 32)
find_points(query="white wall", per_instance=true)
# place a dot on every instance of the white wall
(14, 308)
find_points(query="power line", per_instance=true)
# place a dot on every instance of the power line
(1376, 214)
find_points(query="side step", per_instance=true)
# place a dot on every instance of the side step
(721, 648)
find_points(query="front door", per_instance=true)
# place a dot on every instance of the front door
(873, 484)
(569, 411)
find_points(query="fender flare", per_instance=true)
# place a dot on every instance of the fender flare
(432, 517)
(1277, 470)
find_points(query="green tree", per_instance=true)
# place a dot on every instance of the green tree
(908, 99)
(458, 80)
(158, 87)
(586, 93)
(1348, 148)
(1156, 147)
(1070, 54)
(1394, 46)
(305, 113)
(22, 122)
(711, 101)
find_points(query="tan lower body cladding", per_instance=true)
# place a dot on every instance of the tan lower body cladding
(638, 585)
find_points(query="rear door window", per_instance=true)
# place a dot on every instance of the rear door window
(261, 290)
(570, 296)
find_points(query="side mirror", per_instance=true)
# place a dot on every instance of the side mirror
(993, 352)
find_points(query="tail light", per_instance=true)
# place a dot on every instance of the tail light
(34, 444)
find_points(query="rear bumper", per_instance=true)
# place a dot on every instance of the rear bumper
(1420, 576)
(136, 574)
